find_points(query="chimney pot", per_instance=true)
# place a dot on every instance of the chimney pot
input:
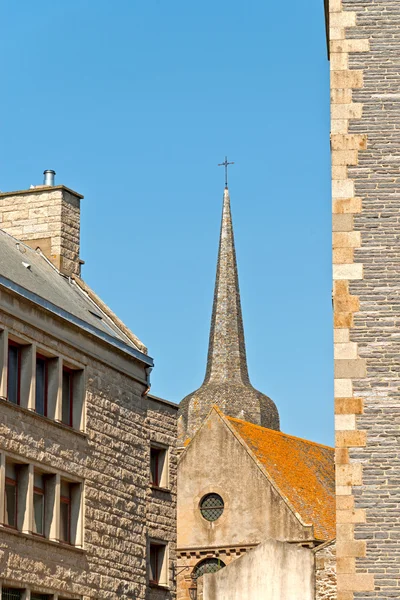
(49, 177)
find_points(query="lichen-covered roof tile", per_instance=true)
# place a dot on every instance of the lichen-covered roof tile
(303, 471)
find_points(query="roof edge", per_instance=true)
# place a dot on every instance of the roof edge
(41, 188)
(110, 314)
(56, 310)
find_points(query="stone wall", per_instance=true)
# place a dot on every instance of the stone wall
(161, 504)
(325, 571)
(48, 218)
(270, 571)
(365, 82)
(110, 458)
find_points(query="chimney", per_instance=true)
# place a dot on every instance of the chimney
(47, 217)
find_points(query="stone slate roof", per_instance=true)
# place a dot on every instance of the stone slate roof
(30, 274)
(226, 382)
(302, 471)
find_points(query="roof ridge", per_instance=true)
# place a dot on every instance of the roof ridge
(281, 433)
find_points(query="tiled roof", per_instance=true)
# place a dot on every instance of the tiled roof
(303, 472)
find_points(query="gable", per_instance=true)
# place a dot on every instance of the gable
(303, 471)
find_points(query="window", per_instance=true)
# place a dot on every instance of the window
(67, 396)
(158, 466)
(41, 385)
(40, 596)
(158, 568)
(11, 594)
(38, 504)
(212, 507)
(11, 496)
(208, 565)
(65, 512)
(14, 373)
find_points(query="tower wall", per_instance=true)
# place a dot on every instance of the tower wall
(365, 142)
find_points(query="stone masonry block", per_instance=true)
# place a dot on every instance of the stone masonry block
(342, 19)
(347, 111)
(346, 564)
(342, 223)
(343, 388)
(339, 172)
(343, 319)
(339, 62)
(351, 516)
(350, 369)
(350, 439)
(345, 503)
(346, 350)
(354, 271)
(349, 406)
(359, 582)
(341, 96)
(339, 126)
(340, 288)
(335, 6)
(347, 79)
(349, 548)
(347, 206)
(346, 239)
(345, 304)
(345, 422)
(340, 336)
(336, 33)
(350, 141)
(359, 45)
(342, 188)
(343, 256)
(345, 531)
(349, 474)
(344, 595)
(342, 457)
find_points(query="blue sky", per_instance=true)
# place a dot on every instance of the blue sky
(134, 104)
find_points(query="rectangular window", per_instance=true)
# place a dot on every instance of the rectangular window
(40, 596)
(11, 594)
(41, 385)
(38, 504)
(11, 496)
(67, 396)
(158, 563)
(14, 373)
(65, 512)
(158, 467)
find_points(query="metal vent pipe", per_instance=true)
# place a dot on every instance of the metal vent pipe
(49, 177)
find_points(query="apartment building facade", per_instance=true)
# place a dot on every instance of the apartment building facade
(87, 456)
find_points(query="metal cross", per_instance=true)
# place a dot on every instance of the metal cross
(225, 164)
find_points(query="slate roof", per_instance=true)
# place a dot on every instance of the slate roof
(30, 274)
(302, 471)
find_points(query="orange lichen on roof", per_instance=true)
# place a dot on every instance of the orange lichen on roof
(303, 471)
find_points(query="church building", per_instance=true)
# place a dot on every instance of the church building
(241, 481)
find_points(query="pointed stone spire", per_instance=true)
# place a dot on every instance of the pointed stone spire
(226, 351)
(226, 382)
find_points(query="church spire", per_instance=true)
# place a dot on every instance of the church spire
(226, 352)
(226, 383)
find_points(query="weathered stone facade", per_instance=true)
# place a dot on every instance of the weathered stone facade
(325, 571)
(47, 218)
(365, 83)
(104, 456)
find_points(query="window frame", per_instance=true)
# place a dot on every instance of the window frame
(161, 565)
(43, 359)
(67, 501)
(42, 493)
(12, 344)
(161, 481)
(70, 373)
(14, 483)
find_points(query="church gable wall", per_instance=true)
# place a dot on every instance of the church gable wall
(253, 511)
